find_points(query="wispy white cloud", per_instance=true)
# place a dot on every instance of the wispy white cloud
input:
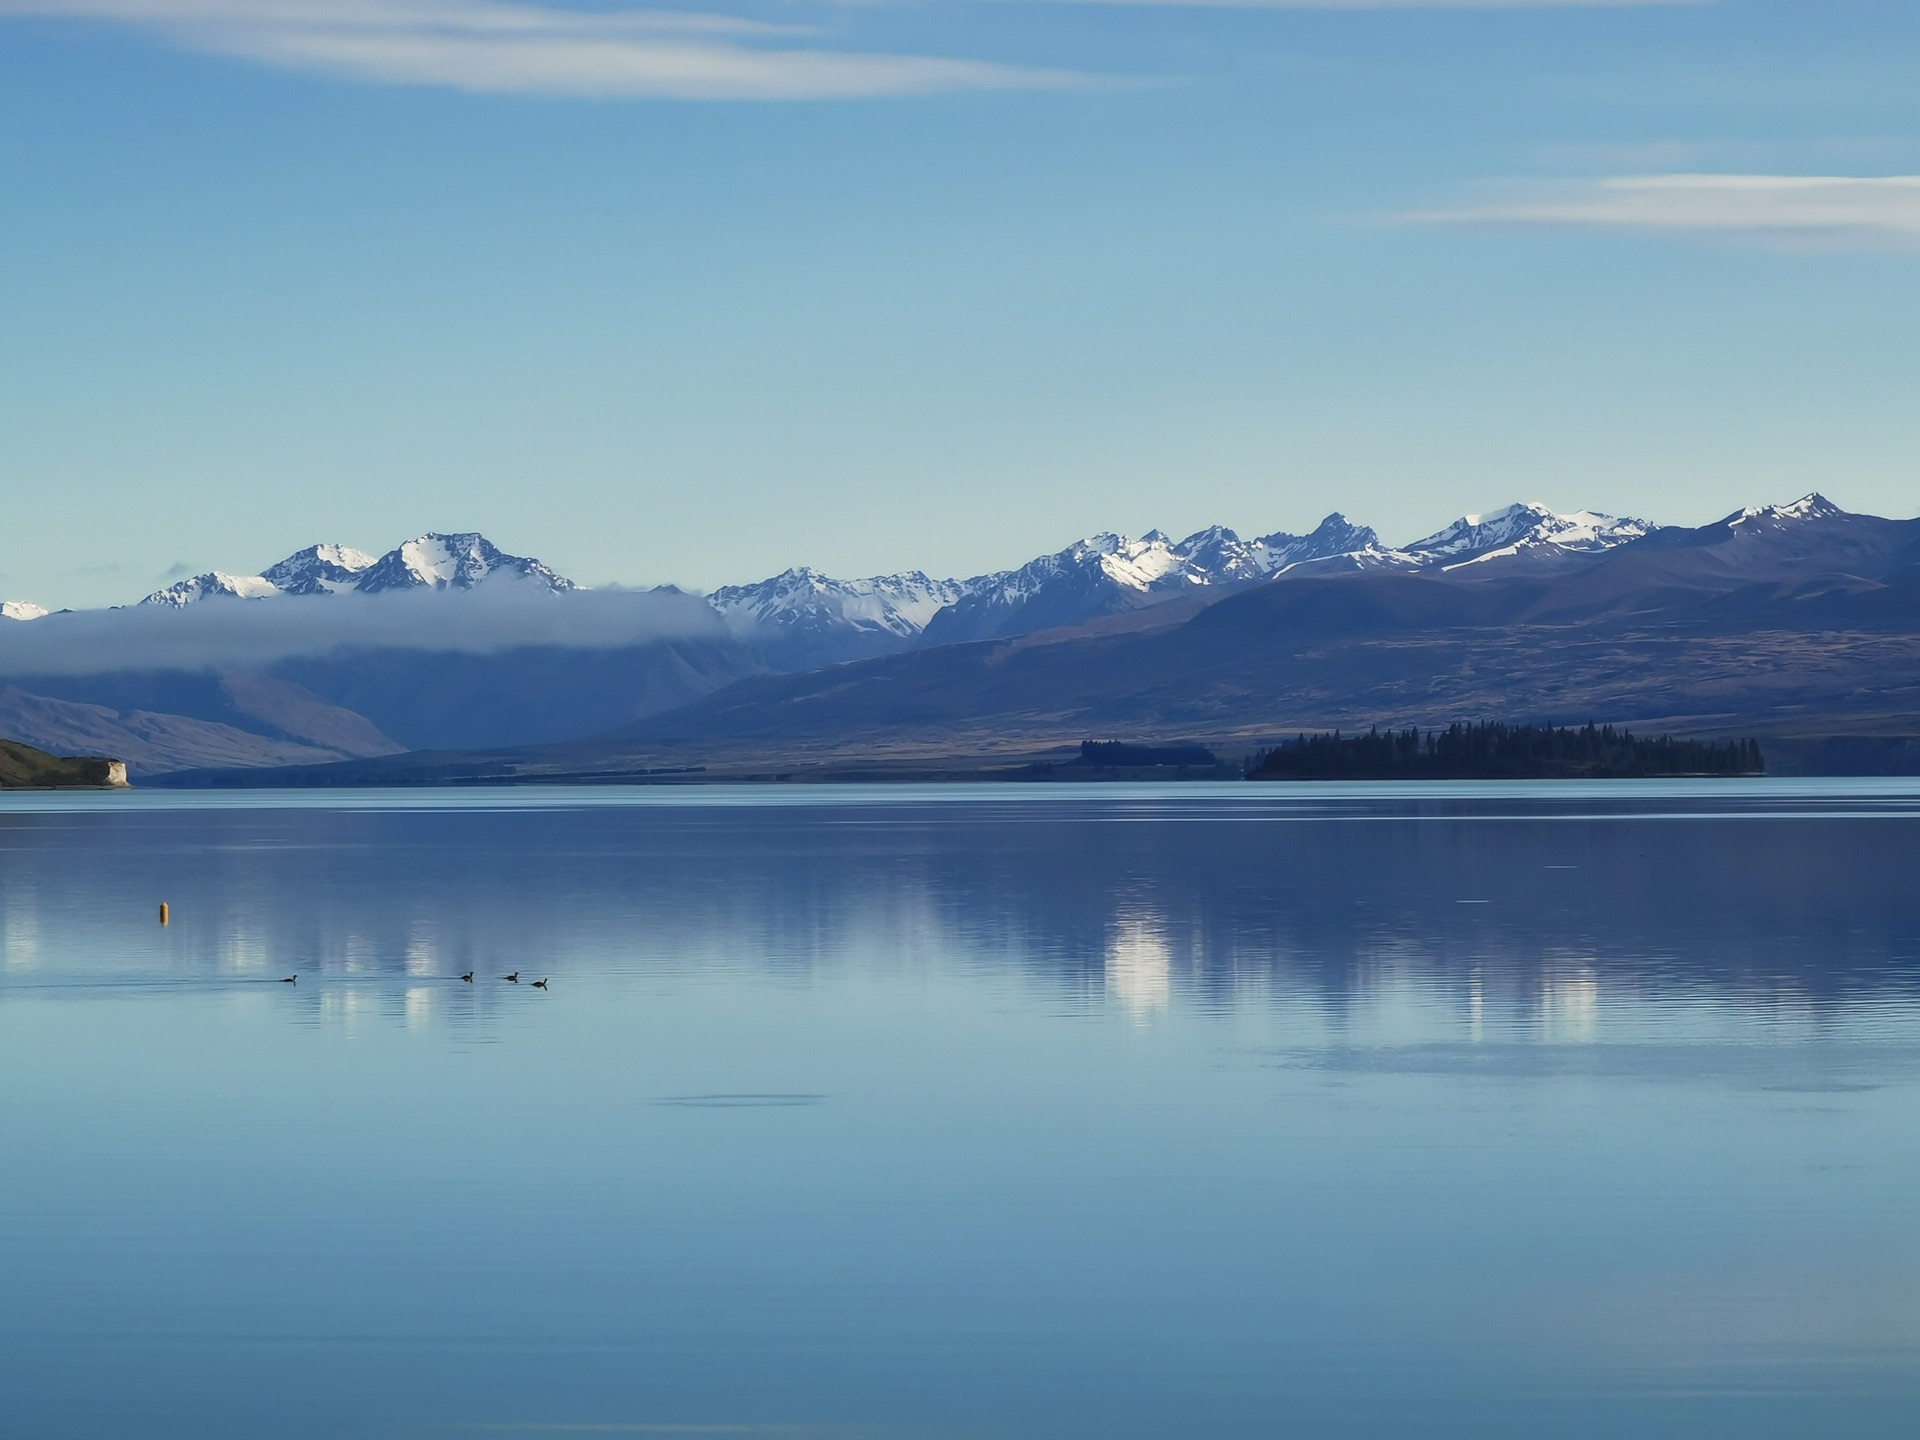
(528, 47)
(1793, 210)
(1406, 4)
(504, 46)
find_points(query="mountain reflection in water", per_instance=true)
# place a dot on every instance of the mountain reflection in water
(1517, 898)
(1236, 1111)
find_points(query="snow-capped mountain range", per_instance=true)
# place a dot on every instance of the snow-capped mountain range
(1519, 529)
(1133, 636)
(802, 618)
(802, 614)
(817, 619)
(1106, 574)
(897, 604)
(433, 561)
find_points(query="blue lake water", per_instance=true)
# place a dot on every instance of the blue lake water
(1237, 1111)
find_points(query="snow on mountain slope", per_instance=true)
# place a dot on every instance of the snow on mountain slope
(213, 584)
(1217, 556)
(1771, 543)
(457, 562)
(1767, 517)
(805, 618)
(318, 570)
(898, 604)
(1519, 529)
(1108, 573)
(1126, 564)
(433, 561)
(1367, 557)
(1155, 562)
(21, 610)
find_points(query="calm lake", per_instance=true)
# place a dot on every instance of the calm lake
(1460, 1110)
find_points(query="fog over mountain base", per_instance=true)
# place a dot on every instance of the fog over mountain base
(303, 681)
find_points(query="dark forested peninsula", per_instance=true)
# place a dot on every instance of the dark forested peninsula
(1503, 752)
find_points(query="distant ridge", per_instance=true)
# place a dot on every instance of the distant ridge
(1108, 573)
(803, 618)
(1518, 529)
(1794, 615)
(319, 570)
(1797, 625)
(807, 618)
(433, 561)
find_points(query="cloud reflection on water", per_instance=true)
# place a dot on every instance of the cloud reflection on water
(1139, 965)
(1351, 919)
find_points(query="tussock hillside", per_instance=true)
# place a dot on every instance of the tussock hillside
(24, 768)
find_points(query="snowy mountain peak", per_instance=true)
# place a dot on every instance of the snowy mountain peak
(807, 618)
(21, 610)
(1808, 507)
(452, 561)
(1473, 533)
(431, 562)
(800, 580)
(1335, 535)
(215, 584)
(801, 597)
(1106, 573)
(1517, 528)
(318, 570)
(1136, 564)
(1214, 556)
(1218, 556)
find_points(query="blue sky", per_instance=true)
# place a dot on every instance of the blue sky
(692, 295)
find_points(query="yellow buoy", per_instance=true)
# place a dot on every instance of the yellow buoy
(163, 912)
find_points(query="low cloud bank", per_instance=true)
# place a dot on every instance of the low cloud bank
(226, 634)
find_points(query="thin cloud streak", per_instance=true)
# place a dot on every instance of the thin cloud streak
(1403, 4)
(502, 47)
(1798, 211)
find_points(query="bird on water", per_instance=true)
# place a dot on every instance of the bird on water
(289, 979)
(468, 977)
(539, 984)
(513, 979)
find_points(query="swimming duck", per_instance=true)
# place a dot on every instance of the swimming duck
(289, 979)
(513, 979)
(539, 984)
(468, 977)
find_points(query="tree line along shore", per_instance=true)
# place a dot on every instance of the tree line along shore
(1493, 751)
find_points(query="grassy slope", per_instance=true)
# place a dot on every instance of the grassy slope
(24, 768)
